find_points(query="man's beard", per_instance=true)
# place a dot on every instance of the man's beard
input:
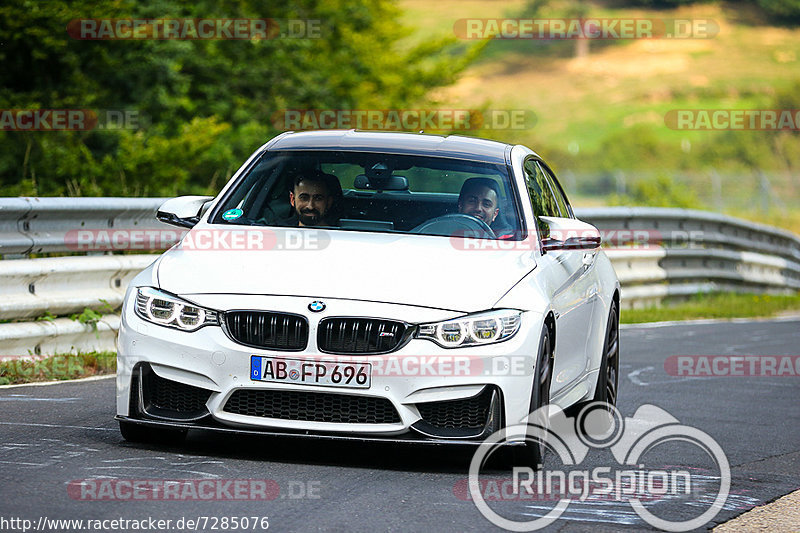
(478, 216)
(310, 218)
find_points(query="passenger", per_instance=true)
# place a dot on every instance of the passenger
(315, 198)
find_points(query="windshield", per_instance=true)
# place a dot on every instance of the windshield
(361, 191)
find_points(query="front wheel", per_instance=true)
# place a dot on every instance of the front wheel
(608, 378)
(532, 452)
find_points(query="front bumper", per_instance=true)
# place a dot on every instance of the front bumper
(422, 382)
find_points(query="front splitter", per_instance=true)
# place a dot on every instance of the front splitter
(402, 439)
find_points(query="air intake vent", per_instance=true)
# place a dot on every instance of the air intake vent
(458, 414)
(312, 407)
(264, 329)
(345, 335)
(167, 399)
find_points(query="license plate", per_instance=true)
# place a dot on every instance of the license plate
(330, 373)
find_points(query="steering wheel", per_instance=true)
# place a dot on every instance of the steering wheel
(457, 225)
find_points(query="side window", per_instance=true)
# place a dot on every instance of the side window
(542, 199)
(561, 200)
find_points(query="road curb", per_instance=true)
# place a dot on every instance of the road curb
(782, 515)
(56, 382)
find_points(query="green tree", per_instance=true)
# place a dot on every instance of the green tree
(208, 103)
(782, 11)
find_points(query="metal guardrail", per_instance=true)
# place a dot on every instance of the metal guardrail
(65, 285)
(62, 286)
(50, 225)
(57, 336)
(681, 227)
(656, 252)
(662, 252)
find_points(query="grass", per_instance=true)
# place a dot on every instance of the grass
(788, 220)
(721, 305)
(57, 367)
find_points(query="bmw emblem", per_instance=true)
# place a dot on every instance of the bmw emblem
(316, 306)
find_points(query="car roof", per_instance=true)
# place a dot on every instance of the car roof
(452, 146)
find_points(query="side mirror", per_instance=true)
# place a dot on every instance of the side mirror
(570, 234)
(183, 211)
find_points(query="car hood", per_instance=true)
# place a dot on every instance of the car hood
(427, 271)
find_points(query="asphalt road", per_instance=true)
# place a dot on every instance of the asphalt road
(52, 436)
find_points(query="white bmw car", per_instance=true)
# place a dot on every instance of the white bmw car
(371, 286)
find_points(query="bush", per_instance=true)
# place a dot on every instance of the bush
(637, 148)
(660, 191)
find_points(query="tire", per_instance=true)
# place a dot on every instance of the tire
(607, 390)
(532, 453)
(145, 434)
(133, 432)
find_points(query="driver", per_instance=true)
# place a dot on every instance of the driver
(313, 197)
(479, 197)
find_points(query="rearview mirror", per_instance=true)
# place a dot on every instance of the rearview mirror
(387, 183)
(183, 211)
(570, 234)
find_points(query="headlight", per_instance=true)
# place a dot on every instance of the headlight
(170, 311)
(473, 330)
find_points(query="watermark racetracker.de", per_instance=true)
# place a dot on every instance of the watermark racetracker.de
(404, 119)
(204, 489)
(71, 119)
(592, 28)
(733, 119)
(197, 240)
(291, 238)
(598, 427)
(611, 239)
(713, 366)
(194, 29)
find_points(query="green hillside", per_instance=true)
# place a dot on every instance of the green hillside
(618, 85)
(615, 99)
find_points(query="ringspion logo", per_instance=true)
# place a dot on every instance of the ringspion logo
(598, 426)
